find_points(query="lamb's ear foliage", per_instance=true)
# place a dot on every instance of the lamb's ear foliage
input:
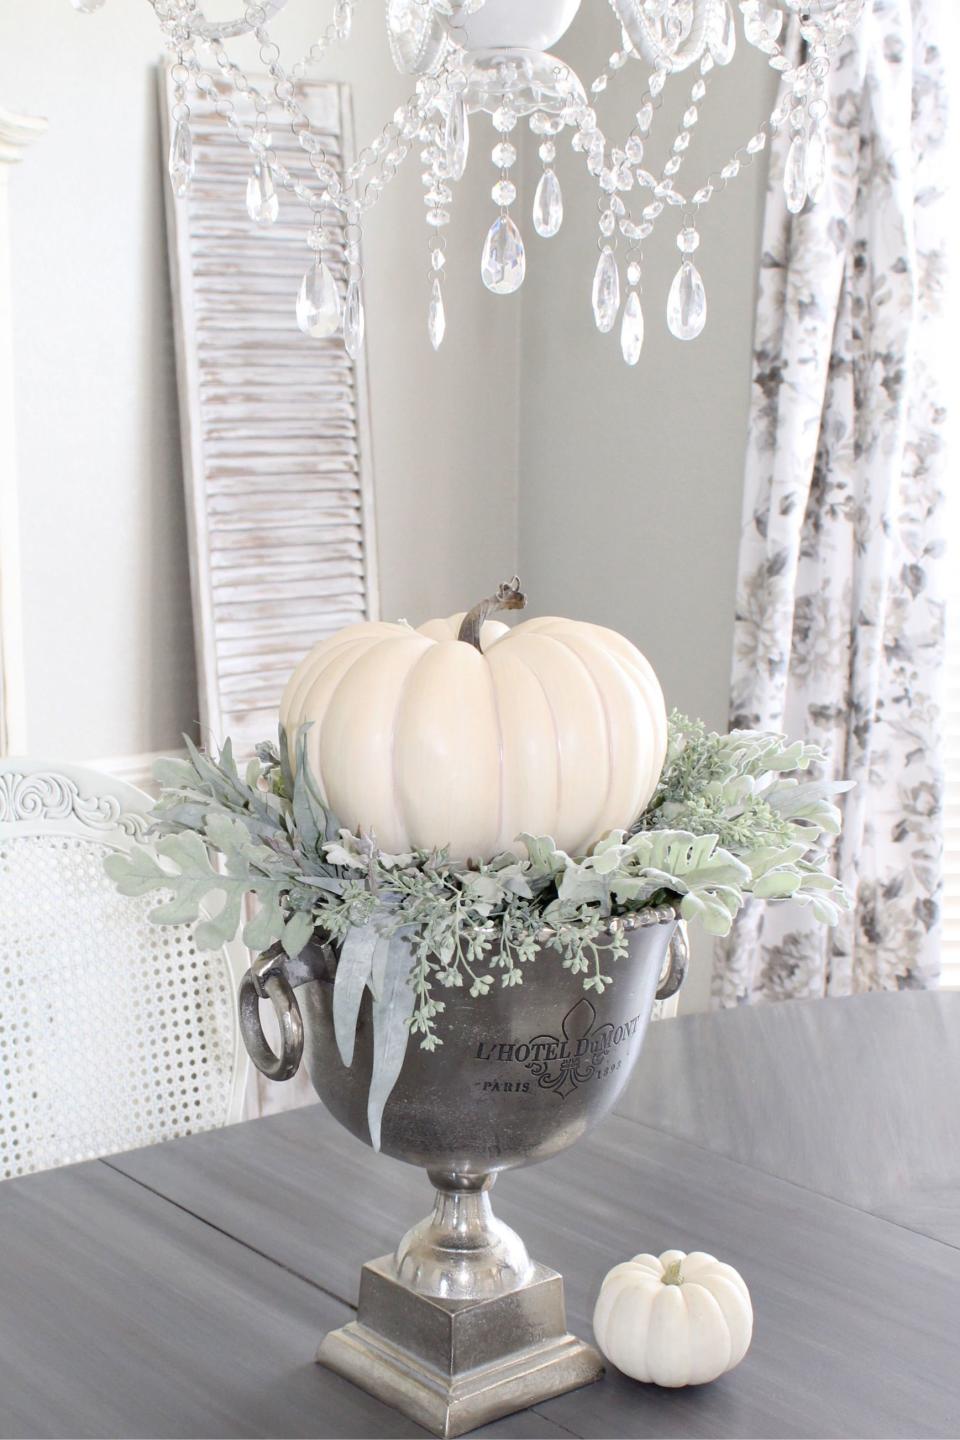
(733, 815)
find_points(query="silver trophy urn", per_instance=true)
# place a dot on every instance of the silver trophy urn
(459, 1325)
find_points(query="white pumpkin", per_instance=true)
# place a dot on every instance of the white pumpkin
(463, 733)
(674, 1320)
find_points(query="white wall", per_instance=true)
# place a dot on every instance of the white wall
(110, 666)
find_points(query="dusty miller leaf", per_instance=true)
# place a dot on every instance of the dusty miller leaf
(297, 933)
(353, 973)
(392, 1009)
(266, 926)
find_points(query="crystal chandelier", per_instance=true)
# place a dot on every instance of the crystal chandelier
(479, 60)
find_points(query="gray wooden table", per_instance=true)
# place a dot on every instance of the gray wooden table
(182, 1290)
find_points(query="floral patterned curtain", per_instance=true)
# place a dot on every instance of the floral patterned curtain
(839, 623)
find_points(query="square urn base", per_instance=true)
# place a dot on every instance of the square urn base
(452, 1365)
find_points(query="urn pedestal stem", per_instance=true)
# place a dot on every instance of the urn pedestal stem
(462, 1251)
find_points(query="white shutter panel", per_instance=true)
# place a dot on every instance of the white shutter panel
(276, 445)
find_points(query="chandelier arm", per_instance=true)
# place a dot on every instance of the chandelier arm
(642, 32)
(337, 32)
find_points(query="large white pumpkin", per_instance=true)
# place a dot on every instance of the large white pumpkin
(426, 740)
(675, 1319)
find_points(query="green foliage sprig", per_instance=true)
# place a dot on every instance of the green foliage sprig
(731, 817)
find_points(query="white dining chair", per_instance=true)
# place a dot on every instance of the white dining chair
(114, 1032)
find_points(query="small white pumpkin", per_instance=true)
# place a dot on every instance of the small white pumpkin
(677, 1320)
(464, 733)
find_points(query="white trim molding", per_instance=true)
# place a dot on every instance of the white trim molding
(17, 132)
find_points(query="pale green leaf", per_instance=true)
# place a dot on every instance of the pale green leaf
(392, 1009)
(297, 932)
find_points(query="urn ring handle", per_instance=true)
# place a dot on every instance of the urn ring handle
(265, 980)
(678, 958)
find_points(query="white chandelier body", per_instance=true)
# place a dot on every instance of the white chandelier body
(489, 60)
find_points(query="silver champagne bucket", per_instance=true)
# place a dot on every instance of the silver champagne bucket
(459, 1325)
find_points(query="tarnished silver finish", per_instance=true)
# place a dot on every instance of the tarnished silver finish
(462, 1251)
(454, 1365)
(521, 1074)
(678, 959)
(267, 980)
(460, 1326)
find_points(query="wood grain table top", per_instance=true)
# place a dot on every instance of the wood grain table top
(182, 1290)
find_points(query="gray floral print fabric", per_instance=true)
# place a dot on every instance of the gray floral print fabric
(839, 624)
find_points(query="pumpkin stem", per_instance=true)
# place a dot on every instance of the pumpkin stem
(673, 1274)
(508, 596)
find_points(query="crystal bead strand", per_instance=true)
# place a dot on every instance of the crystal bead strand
(224, 107)
(456, 129)
(632, 329)
(632, 325)
(548, 197)
(605, 291)
(794, 177)
(503, 263)
(180, 162)
(719, 179)
(590, 140)
(337, 32)
(763, 24)
(406, 121)
(436, 312)
(815, 145)
(436, 173)
(318, 302)
(605, 295)
(445, 156)
(354, 315)
(665, 187)
(436, 158)
(263, 203)
(285, 93)
(687, 302)
(256, 138)
(815, 164)
(381, 154)
(319, 308)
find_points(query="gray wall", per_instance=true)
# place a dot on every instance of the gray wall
(631, 480)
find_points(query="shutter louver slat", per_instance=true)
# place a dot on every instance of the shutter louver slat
(275, 426)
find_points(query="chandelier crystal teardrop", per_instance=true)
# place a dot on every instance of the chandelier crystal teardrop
(488, 62)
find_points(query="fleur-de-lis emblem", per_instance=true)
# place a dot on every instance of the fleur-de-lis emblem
(577, 1050)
